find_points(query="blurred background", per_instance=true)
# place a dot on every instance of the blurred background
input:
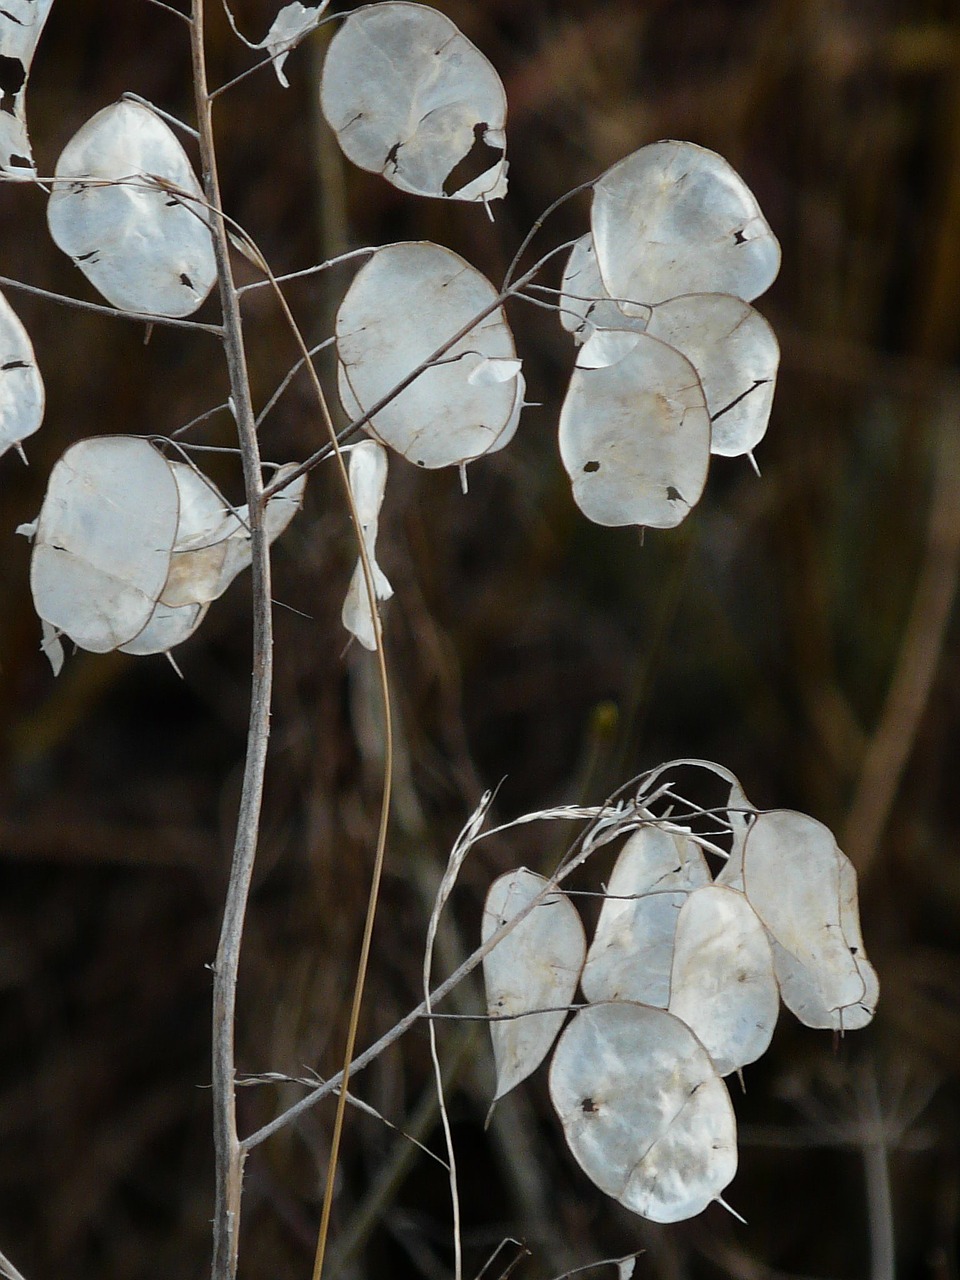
(799, 628)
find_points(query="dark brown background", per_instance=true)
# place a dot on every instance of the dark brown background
(767, 633)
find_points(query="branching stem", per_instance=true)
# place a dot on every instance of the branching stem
(319, 455)
(252, 251)
(582, 850)
(229, 1154)
(381, 849)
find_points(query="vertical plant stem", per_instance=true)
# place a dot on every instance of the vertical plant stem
(229, 1154)
(876, 1168)
(380, 854)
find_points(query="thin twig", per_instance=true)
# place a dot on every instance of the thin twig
(171, 120)
(142, 317)
(289, 377)
(528, 238)
(160, 4)
(201, 417)
(234, 28)
(229, 1154)
(186, 449)
(600, 1262)
(380, 853)
(456, 860)
(238, 79)
(392, 1170)
(523, 1252)
(876, 1168)
(310, 1082)
(264, 62)
(307, 271)
(432, 1016)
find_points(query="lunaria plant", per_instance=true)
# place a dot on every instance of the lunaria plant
(21, 24)
(673, 363)
(130, 549)
(699, 936)
(410, 97)
(128, 209)
(21, 387)
(682, 981)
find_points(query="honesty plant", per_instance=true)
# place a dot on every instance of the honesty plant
(21, 24)
(671, 364)
(683, 981)
(140, 234)
(410, 97)
(674, 362)
(130, 549)
(21, 387)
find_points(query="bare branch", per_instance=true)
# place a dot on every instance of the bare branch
(307, 271)
(177, 13)
(164, 115)
(889, 750)
(229, 1156)
(98, 308)
(288, 378)
(582, 849)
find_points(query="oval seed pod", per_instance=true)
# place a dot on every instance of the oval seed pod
(635, 436)
(675, 218)
(21, 387)
(631, 955)
(736, 355)
(535, 967)
(447, 415)
(21, 25)
(103, 541)
(643, 1110)
(795, 879)
(128, 209)
(798, 984)
(722, 983)
(410, 97)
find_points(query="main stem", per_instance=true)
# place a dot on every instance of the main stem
(229, 1154)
